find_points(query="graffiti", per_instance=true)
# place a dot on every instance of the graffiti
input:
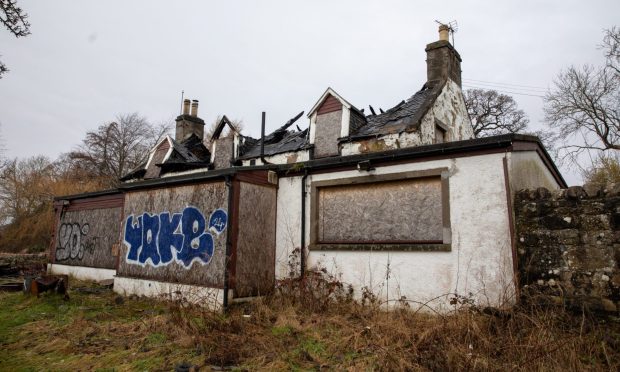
(185, 237)
(71, 241)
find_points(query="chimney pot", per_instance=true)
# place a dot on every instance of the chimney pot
(444, 32)
(186, 106)
(194, 111)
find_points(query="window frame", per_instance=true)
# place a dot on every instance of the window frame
(445, 245)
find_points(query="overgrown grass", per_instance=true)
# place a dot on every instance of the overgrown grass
(304, 326)
(91, 331)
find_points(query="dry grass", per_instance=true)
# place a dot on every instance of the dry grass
(316, 325)
(307, 325)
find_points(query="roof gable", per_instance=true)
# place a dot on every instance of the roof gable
(329, 92)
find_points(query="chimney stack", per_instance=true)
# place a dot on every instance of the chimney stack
(188, 123)
(194, 112)
(442, 60)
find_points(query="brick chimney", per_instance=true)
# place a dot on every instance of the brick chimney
(189, 123)
(442, 60)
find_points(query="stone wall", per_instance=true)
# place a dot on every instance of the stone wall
(568, 245)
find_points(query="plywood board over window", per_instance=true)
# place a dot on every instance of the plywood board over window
(403, 211)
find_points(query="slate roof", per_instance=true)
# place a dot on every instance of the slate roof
(190, 153)
(403, 117)
(280, 141)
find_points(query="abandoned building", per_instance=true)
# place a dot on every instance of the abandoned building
(404, 203)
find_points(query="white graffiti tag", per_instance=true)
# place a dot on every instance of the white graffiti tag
(70, 241)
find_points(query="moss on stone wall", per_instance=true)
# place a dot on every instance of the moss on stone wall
(568, 245)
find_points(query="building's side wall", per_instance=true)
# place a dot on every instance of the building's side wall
(176, 234)
(86, 237)
(211, 298)
(288, 226)
(480, 259)
(528, 171)
(283, 158)
(81, 272)
(381, 143)
(254, 272)
(450, 109)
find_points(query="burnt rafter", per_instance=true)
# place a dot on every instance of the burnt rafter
(279, 133)
(220, 127)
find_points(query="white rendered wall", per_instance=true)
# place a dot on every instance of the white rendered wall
(284, 158)
(81, 272)
(528, 171)
(449, 107)
(479, 263)
(212, 298)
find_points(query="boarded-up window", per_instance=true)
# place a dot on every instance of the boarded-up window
(408, 210)
(396, 209)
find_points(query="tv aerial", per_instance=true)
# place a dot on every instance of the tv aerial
(452, 26)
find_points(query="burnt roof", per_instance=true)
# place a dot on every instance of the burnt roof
(280, 141)
(405, 116)
(190, 153)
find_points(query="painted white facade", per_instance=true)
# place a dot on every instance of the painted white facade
(480, 261)
(81, 272)
(212, 298)
(283, 158)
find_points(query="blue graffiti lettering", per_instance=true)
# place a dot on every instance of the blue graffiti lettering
(183, 237)
(196, 243)
(150, 228)
(167, 238)
(133, 237)
(218, 221)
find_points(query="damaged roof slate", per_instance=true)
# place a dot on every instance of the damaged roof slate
(188, 154)
(403, 117)
(280, 141)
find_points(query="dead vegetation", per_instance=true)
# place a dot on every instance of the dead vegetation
(306, 325)
(315, 324)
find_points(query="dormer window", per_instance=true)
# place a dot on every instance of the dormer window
(330, 119)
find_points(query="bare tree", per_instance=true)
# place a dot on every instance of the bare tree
(15, 20)
(27, 188)
(117, 147)
(611, 47)
(493, 113)
(3, 160)
(583, 107)
(24, 185)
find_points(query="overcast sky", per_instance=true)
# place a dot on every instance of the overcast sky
(85, 62)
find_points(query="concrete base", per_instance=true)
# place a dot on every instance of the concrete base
(81, 272)
(213, 298)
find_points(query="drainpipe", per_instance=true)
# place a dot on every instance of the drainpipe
(262, 140)
(229, 183)
(302, 260)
